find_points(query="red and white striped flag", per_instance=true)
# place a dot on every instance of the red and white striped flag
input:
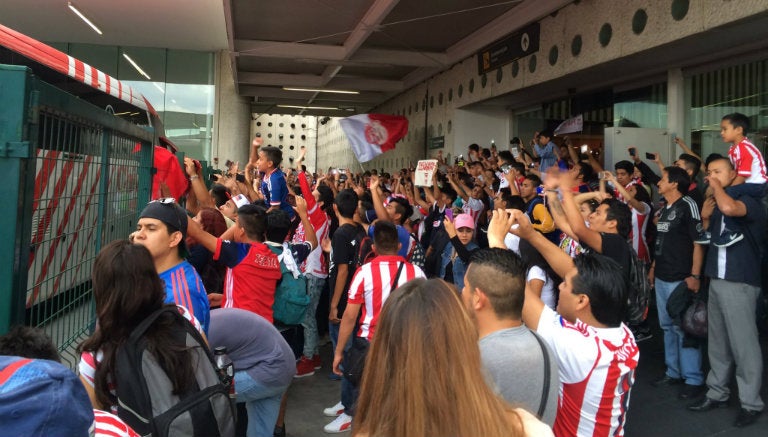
(370, 135)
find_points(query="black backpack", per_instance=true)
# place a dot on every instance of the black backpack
(145, 399)
(363, 250)
(639, 289)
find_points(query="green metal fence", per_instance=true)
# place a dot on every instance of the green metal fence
(77, 177)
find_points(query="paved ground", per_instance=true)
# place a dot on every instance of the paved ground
(653, 411)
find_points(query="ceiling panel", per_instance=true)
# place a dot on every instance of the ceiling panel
(272, 65)
(297, 20)
(435, 25)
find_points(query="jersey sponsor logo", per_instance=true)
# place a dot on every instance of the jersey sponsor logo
(662, 227)
(266, 261)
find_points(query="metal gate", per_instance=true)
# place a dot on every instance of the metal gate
(72, 179)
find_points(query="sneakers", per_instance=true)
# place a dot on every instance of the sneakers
(317, 362)
(304, 367)
(704, 238)
(335, 410)
(340, 424)
(729, 239)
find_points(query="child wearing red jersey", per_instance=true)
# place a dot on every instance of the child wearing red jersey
(750, 168)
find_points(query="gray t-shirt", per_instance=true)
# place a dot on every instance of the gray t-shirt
(254, 345)
(514, 364)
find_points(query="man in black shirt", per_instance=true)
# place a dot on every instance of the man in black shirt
(677, 259)
(343, 253)
(609, 225)
(733, 292)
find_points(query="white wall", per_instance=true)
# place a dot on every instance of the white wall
(481, 126)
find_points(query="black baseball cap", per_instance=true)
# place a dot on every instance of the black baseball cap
(171, 214)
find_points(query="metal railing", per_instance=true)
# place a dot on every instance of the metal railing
(77, 177)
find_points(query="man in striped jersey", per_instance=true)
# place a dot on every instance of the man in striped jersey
(368, 291)
(595, 352)
(162, 229)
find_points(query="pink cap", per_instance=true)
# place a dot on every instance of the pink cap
(464, 221)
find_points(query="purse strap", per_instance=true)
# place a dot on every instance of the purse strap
(397, 277)
(547, 375)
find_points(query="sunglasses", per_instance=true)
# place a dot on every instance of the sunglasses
(170, 201)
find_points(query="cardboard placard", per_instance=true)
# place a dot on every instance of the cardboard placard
(425, 170)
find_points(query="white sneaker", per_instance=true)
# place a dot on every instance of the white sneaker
(335, 410)
(340, 424)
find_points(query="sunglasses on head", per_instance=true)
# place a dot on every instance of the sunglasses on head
(170, 201)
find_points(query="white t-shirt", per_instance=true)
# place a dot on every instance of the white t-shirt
(597, 370)
(548, 290)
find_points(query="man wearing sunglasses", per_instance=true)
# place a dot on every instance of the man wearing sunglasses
(162, 229)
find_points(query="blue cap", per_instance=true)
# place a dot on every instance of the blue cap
(42, 398)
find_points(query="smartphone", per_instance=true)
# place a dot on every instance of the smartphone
(584, 148)
(539, 190)
(515, 151)
(650, 155)
(506, 168)
(240, 178)
(601, 175)
(532, 165)
(632, 151)
(449, 213)
(343, 177)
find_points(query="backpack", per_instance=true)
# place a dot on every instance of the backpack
(291, 298)
(417, 256)
(145, 399)
(364, 247)
(639, 289)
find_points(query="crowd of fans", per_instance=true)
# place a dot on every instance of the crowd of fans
(506, 297)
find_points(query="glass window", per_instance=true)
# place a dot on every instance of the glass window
(739, 88)
(643, 107)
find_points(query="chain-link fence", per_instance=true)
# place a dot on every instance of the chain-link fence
(77, 176)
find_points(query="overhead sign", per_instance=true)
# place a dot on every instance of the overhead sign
(437, 142)
(508, 49)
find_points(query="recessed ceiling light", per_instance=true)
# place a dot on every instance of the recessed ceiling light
(136, 66)
(84, 18)
(319, 90)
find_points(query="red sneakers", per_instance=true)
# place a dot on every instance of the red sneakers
(304, 367)
(317, 362)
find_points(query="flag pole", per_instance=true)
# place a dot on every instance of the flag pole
(426, 122)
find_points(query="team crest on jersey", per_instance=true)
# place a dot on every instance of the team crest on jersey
(672, 215)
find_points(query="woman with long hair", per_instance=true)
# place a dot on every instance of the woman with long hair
(423, 374)
(211, 272)
(127, 289)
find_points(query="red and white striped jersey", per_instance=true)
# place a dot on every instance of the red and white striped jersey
(748, 162)
(316, 263)
(596, 369)
(371, 285)
(109, 425)
(473, 207)
(637, 234)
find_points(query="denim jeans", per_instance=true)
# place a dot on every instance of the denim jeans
(261, 402)
(682, 362)
(314, 289)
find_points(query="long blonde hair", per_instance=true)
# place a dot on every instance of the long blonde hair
(423, 374)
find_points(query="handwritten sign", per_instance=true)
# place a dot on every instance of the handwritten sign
(425, 170)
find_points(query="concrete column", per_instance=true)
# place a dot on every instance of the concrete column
(676, 105)
(232, 116)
